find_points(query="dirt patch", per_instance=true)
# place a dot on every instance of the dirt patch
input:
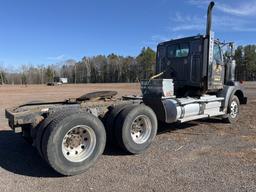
(246, 155)
(249, 138)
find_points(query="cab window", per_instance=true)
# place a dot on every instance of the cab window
(178, 50)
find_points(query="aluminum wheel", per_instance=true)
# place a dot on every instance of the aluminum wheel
(78, 143)
(141, 129)
(233, 109)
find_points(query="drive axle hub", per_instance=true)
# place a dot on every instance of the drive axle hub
(78, 143)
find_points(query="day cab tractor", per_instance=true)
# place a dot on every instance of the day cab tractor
(194, 80)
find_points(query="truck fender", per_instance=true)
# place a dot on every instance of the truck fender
(165, 110)
(228, 93)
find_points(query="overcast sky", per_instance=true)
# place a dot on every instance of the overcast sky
(42, 32)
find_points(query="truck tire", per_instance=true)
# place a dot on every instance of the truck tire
(233, 110)
(41, 127)
(46, 124)
(136, 128)
(73, 142)
(109, 122)
(110, 119)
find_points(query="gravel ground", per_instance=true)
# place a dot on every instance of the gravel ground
(205, 155)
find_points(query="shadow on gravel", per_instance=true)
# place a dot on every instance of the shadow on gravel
(212, 120)
(21, 158)
(113, 150)
(164, 127)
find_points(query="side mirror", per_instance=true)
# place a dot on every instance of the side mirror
(231, 50)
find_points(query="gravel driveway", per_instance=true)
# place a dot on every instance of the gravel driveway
(205, 155)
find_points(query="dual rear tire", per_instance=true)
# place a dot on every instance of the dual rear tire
(72, 142)
(133, 128)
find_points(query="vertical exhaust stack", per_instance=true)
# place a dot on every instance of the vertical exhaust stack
(209, 18)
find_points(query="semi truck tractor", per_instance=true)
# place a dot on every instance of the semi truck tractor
(195, 79)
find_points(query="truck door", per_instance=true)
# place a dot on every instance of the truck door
(196, 62)
(216, 68)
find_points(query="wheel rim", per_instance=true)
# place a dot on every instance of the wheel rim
(233, 109)
(141, 129)
(78, 143)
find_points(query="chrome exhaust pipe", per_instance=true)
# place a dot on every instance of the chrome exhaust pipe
(209, 18)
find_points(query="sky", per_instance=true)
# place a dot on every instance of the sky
(43, 32)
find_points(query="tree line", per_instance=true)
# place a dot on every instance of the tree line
(245, 57)
(97, 69)
(115, 68)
